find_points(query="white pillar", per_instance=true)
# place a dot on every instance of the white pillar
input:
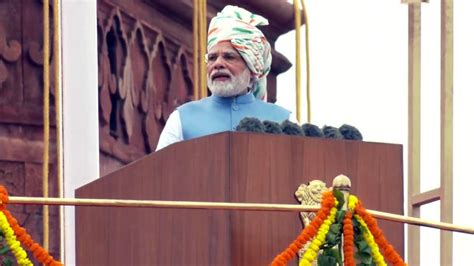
(80, 105)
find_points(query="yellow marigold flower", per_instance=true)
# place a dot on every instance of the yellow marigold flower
(352, 202)
(321, 238)
(304, 262)
(20, 253)
(14, 245)
(312, 252)
(379, 260)
(25, 262)
(315, 244)
(309, 255)
(369, 238)
(324, 227)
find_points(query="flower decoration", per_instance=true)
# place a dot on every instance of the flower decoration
(12, 242)
(329, 201)
(16, 234)
(363, 242)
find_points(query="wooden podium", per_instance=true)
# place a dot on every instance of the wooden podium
(228, 167)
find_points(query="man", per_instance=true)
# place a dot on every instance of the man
(238, 61)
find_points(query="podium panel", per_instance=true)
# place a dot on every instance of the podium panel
(228, 167)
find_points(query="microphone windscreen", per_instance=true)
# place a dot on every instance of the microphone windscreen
(311, 130)
(272, 127)
(250, 124)
(332, 132)
(350, 132)
(292, 129)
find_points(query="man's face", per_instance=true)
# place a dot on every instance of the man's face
(227, 73)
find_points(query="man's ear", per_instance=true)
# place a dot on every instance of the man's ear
(253, 80)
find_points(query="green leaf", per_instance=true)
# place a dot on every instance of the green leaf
(340, 198)
(8, 262)
(335, 228)
(335, 254)
(355, 223)
(331, 238)
(326, 260)
(323, 260)
(340, 216)
(363, 257)
(4, 250)
(367, 249)
(359, 237)
(361, 244)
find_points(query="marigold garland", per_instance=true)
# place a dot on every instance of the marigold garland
(369, 238)
(12, 242)
(328, 202)
(3, 198)
(388, 251)
(39, 252)
(312, 252)
(320, 226)
(352, 202)
(348, 245)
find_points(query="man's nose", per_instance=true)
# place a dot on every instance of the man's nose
(219, 63)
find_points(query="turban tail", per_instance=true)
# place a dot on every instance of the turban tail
(238, 26)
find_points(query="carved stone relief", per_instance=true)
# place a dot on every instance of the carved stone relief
(139, 85)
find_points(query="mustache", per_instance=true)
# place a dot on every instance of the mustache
(220, 73)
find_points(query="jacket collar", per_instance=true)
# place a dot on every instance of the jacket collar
(241, 99)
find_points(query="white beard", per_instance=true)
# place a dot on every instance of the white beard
(237, 85)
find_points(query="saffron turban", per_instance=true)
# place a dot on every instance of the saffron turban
(238, 26)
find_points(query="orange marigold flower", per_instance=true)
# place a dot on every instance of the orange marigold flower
(307, 233)
(388, 251)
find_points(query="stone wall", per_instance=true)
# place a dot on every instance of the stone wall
(21, 115)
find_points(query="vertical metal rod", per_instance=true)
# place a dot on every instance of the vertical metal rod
(59, 114)
(297, 59)
(203, 42)
(308, 64)
(414, 131)
(446, 160)
(196, 63)
(45, 120)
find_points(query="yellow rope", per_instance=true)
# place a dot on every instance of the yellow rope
(297, 59)
(308, 75)
(202, 42)
(45, 120)
(58, 107)
(196, 63)
(199, 48)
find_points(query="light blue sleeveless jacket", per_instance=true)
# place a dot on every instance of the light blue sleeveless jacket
(217, 114)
